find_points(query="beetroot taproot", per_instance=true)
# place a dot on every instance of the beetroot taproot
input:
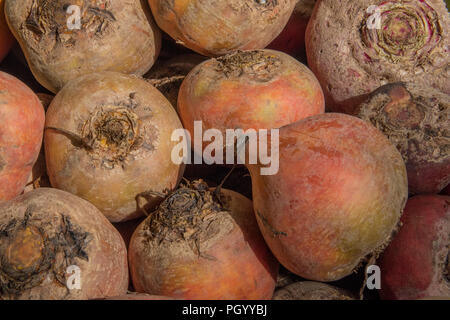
(260, 89)
(22, 117)
(108, 140)
(337, 197)
(214, 28)
(195, 246)
(111, 35)
(54, 245)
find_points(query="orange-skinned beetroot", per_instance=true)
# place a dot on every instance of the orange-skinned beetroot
(6, 38)
(47, 232)
(261, 89)
(22, 123)
(337, 197)
(416, 265)
(215, 28)
(221, 255)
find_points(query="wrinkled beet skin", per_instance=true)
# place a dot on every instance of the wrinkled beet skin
(337, 197)
(22, 117)
(409, 265)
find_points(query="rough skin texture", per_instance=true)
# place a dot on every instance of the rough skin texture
(228, 261)
(216, 27)
(6, 38)
(308, 290)
(115, 35)
(336, 199)
(22, 124)
(416, 263)
(261, 89)
(416, 119)
(44, 232)
(412, 45)
(116, 143)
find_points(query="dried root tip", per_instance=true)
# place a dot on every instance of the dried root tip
(309, 290)
(50, 17)
(258, 65)
(408, 31)
(184, 215)
(29, 255)
(415, 119)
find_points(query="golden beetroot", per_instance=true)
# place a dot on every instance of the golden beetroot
(193, 247)
(337, 197)
(261, 89)
(54, 245)
(6, 38)
(108, 140)
(354, 47)
(215, 28)
(62, 41)
(22, 123)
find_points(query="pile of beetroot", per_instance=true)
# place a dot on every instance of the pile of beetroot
(93, 206)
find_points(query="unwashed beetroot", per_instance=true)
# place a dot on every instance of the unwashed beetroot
(47, 234)
(337, 197)
(261, 89)
(108, 141)
(416, 264)
(292, 39)
(309, 290)
(193, 247)
(112, 35)
(214, 28)
(6, 38)
(22, 117)
(417, 120)
(352, 55)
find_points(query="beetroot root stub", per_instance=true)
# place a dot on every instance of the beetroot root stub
(54, 245)
(416, 119)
